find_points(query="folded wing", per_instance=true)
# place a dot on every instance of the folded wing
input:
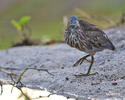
(95, 37)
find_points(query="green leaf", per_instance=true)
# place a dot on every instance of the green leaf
(24, 20)
(16, 25)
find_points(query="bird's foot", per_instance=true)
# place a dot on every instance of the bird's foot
(80, 75)
(80, 61)
(77, 63)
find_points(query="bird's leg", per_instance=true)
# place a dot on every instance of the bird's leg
(92, 61)
(81, 60)
(91, 58)
(88, 73)
(88, 60)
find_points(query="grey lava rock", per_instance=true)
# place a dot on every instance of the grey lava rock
(59, 60)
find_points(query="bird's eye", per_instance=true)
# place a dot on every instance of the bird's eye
(73, 21)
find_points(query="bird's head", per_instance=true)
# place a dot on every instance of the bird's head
(74, 21)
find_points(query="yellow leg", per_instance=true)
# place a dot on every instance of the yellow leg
(81, 60)
(88, 60)
(88, 73)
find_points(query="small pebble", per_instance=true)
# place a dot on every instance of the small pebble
(62, 67)
(67, 78)
(115, 83)
(95, 83)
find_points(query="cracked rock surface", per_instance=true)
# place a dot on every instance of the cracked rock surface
(59, 59)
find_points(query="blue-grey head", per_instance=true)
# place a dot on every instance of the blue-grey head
(74, 21)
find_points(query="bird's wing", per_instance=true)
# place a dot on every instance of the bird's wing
(95, 36)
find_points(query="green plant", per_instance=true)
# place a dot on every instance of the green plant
(21, 25)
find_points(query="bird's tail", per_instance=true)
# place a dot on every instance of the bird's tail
(110, 46)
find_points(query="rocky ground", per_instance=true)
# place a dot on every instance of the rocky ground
(59, 59)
